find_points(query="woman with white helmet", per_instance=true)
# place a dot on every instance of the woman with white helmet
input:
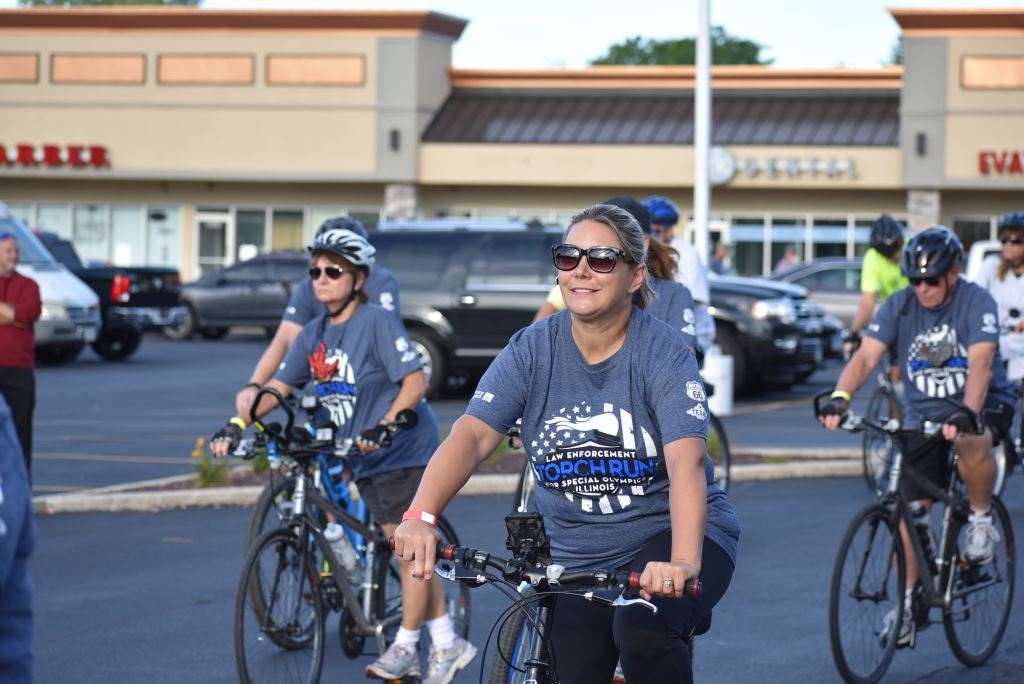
(366, 371)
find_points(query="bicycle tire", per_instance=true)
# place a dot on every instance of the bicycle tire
(279, 652)
(717, 447)
(877, 449)
(513, 643)
(276, 496)
(873, 589)
(524, 500)
(1006, 456)
(963, 616)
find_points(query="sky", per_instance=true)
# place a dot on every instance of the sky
(544, 34)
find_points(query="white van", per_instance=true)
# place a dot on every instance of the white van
(71, 311)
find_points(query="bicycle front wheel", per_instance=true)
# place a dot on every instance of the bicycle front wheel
(515, 643)
(982, 595)
(272, 507)
(717, 447)
(865, 603)
(279, 624)
(877, 449)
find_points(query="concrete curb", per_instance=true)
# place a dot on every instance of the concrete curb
(124, 497)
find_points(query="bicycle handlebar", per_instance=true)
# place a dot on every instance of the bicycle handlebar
(852, 422)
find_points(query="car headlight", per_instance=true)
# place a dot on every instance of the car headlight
(781, 310)
(53, 310)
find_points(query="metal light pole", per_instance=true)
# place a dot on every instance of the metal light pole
(702, 128)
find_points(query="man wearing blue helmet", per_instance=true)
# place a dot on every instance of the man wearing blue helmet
(692, 273)
(381, 288)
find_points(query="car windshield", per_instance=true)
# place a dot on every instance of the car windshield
(31, 249)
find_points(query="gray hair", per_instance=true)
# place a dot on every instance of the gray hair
(630, 235)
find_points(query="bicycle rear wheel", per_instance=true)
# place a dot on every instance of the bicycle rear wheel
(717, 447)
(982, 595)
(877, 449)
(279, 625)
(866, 585)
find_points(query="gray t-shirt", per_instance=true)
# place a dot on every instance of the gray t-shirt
(674, 305)
(931, 347)
(381, 289)
(595, 435)
(356, 368)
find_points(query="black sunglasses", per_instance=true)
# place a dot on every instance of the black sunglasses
(931, 282)
(600, 259)
(1012, 239)
(332, 272)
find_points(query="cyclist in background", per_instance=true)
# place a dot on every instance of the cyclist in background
(692, 273)
(365, 371)
(381, 289)
(1003, 277)
(880, 275)
(613, 421)
(944, 332)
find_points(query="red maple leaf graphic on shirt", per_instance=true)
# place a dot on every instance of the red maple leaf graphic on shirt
(318, 366)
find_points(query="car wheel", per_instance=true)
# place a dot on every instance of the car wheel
(57, 355)
(212, 333)
(185, 328)
(730, 344)
(431, 358)
(118, 344)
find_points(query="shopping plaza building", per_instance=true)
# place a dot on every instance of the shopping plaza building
(197, 138)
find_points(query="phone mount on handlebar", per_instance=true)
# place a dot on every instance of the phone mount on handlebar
(527, 538)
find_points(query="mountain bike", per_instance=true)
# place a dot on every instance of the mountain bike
(974, 599)
(531, 581)
(292, 579)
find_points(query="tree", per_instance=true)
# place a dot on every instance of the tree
(102, 3)
(725, 49)
(896, 53)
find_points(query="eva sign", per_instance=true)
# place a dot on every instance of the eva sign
(1001, 162)
(54, 156)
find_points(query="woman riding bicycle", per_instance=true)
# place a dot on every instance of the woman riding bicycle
(1003, 277)
(365, 371)
(613, 420)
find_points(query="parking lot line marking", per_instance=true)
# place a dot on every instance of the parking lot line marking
(110, 458)
(770, 406)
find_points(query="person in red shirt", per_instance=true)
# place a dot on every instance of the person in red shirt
(19, 309)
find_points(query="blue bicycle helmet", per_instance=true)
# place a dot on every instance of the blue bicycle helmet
(343, 223)
(663, 211)
(886, 235)
(932, 252)
(1014, 220)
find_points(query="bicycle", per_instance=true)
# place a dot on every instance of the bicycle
(532, 581)
(877, 449)
(292, 579)
(870, 570)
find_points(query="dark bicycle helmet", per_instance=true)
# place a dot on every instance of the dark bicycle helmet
(345, 243)
(1012, 221)
(343, 223)
(932, 252)
(635, 208)
(886, 235)
(663, 211)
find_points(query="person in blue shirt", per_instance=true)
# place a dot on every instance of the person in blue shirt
(364, 371)
(614, 418)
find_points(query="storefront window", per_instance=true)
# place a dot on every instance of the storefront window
(368, 217)
(55, 218)
(250, 233)
(789, 235)
(286, 230)
(126, 234)
(861, 236)
(90, 232)
(21, 211)
(317, 215)
(829, 238)
(163, 226)
(973, 229)
(747, 235)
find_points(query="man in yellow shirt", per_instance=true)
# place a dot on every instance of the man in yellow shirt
(880, 274)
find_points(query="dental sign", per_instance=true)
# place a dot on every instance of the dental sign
(723, 167)
(54, 156)
(1001, 162)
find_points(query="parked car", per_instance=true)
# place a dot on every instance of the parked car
(71, 313)
(251, 293)
(976, 255)
(131, 299)
(832, 282)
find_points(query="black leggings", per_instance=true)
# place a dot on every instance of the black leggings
(588, 638)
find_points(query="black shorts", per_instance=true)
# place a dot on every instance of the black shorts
(929, 456)
(389, 495)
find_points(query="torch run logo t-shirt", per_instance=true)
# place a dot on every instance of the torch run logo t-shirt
(595, 435)
(356, 368)
(931, 346)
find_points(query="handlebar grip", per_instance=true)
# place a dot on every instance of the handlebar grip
(692, 587)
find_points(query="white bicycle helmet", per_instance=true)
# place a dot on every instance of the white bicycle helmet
(347, 244)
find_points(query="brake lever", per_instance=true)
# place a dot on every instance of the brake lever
(621, 600)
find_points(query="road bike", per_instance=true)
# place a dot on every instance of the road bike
(866, 596)
(531, 581)
(292, 580)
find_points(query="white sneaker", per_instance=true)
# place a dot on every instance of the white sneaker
(397, 662)
(906, 635)
(982, 537)
(443, 663)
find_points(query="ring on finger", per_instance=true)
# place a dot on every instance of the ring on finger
(668, 584)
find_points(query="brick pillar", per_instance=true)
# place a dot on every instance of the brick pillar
(924, 208)
(401, 201)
